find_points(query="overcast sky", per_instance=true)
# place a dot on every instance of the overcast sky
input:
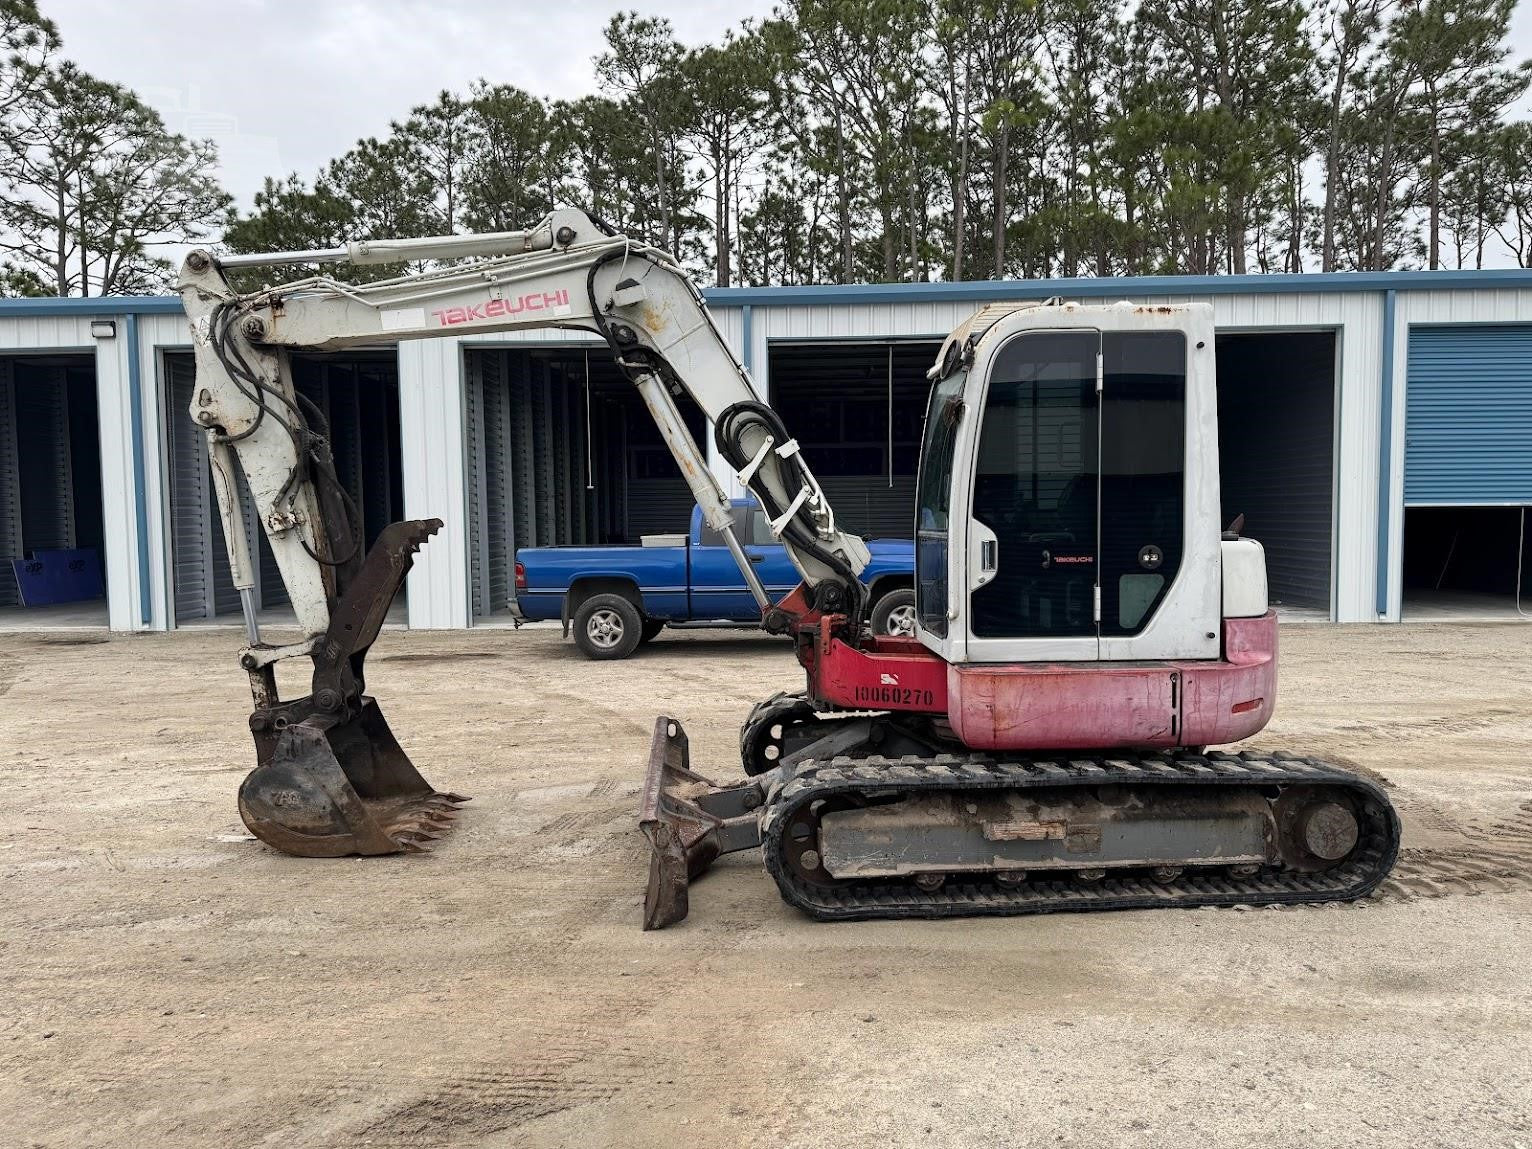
(286, 85)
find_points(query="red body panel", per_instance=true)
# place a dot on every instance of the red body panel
(887, 674)
(1062, 706)
(1217, 697)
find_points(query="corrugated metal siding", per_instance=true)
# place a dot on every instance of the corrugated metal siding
(433, 461)
(1468, 416)
(473, 445)
(870, 507)
(658, 507)
(201, 582)
(10, 489)
(41, 404)
(190, 498)
(487, 405)
(498, 524)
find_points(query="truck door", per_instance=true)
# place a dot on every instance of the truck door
(772, 566)
(718, 589)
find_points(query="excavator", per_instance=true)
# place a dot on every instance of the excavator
(1086, 630)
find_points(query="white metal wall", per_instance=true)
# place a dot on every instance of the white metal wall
(432, 421)
(71, 334)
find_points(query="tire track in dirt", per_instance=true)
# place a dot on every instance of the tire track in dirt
(1496, 857)
(553, 1065)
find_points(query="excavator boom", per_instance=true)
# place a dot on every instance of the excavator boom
(331, 779)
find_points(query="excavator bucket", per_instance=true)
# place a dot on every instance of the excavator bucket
(329, 786)
(689, 822)
(331, 779)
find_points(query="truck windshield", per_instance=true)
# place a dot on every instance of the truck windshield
(933, 497)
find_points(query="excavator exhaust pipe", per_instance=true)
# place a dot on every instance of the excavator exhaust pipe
(689, 822)
(332, 779)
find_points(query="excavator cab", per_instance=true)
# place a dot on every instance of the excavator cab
(1068, 494)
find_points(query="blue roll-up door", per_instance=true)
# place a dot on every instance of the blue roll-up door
(1468, 416)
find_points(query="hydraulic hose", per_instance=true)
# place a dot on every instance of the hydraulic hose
(729, 433)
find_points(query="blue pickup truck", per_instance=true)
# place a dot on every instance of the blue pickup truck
(618, 597)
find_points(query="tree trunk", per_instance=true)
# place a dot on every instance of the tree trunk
(1380, 201)
(1434, 199)
(664, 200)
(1332, 169)
(61, 248)
(1001, 160)
(721, 216)
(959, 189)
(84, 247)
(914, 232)
(847, 255)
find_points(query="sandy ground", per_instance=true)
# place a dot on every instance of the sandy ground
(168, 982)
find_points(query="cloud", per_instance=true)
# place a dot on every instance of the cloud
(286, 85)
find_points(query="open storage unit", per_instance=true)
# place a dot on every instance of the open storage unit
(50, 492)
(1276, 448)
(560, 451)
(856, 409)
(1468, 472)
(357, 396)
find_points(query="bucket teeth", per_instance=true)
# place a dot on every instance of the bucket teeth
(413, 834)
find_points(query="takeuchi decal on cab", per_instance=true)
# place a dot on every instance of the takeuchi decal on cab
(549, 302)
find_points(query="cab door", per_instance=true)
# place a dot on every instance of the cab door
(1077, 520)
(1034, 521)
(1143, 481)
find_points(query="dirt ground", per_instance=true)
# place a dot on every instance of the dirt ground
(169, 982)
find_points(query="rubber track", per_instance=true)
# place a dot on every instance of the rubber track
(1374, 855)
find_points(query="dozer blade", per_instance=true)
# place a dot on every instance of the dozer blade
(332, 786)
(689, 822)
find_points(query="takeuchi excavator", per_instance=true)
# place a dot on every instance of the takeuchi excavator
(1086, 629)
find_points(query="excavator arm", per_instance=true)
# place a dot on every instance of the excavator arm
(331, 779)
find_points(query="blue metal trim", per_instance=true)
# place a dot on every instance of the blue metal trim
(110, 305)
(140, 485)
(968, 291)
(1127, 287)
(745, 332)
(1385, 455)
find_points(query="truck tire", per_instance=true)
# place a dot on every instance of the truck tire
(651, 631)
(894, 613)
(607, 626)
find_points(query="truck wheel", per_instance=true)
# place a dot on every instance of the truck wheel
(894, 613)
(607, 626)
(651, 631)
